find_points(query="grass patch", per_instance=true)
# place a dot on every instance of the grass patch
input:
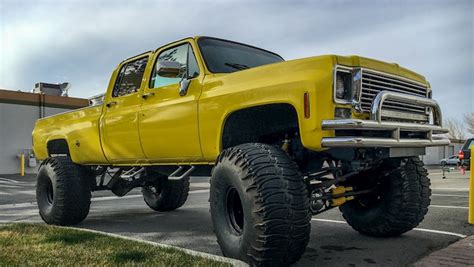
(130, 256)
(26, 244)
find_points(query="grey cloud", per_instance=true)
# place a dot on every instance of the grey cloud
(82, 41)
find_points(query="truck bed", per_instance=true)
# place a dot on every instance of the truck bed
(80, 128)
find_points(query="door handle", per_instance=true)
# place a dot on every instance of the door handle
(111, 104)
(145, 96)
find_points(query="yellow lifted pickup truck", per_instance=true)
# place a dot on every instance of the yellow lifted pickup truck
(281, 140)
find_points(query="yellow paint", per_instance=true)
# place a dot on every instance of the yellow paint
(338, 190)
(338, 201)
(168, 122)
(471, 190)
(80, 125)
(22, 164)
(169, 129)
(341, 200)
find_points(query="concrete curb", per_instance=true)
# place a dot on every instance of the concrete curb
(459, 253)
(233, 262)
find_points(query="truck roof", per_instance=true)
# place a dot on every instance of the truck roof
(197, 37)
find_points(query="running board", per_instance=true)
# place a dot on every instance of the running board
(181, 172)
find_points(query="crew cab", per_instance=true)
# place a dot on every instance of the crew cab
(281, 140)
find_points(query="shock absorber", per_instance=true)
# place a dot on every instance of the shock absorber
(338, 200)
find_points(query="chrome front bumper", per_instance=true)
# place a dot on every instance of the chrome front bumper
(396, 128)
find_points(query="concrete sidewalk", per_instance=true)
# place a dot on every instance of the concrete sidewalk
(460, 253)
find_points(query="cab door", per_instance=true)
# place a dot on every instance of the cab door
(168, 120)
(120, 136)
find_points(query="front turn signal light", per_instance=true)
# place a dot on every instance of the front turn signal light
(307, 107)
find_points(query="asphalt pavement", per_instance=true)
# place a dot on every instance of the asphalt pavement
(333, 242)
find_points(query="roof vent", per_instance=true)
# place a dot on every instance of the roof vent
(58, 89)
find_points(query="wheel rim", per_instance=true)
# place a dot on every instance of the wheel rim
(49, 192)
(376, 197)
(156, 190)
(235, 211)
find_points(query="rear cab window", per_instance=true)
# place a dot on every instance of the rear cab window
(130, 77)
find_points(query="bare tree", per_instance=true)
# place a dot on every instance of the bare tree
(456, 129)
(469, 121)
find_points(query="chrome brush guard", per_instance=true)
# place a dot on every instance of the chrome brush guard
(400, 131)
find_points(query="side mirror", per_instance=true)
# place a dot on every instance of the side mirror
(169, 69)
(184, 86)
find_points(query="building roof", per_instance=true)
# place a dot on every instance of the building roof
(34, 99)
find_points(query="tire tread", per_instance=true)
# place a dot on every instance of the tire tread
(281, 203)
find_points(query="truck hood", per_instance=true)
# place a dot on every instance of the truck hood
(314, 64)
(298, 70)
(392, 68)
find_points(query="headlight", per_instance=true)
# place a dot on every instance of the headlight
(340, 90)
(343, 87)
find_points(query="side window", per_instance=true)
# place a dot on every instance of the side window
(183, 54)
(193, 68)
(130, 77)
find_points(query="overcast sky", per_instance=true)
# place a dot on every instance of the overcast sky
(82, 41)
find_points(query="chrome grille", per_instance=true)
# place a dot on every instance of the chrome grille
(375, 82)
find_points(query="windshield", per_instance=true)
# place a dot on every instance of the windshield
(224, 56)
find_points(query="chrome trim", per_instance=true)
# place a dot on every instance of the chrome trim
(374, 82)
(395, 76)
(376, 124)
(334, 76)
(357, 124)
(376, 109)
(356, 102)
(357, 87)
(380, 142)
(405, 115)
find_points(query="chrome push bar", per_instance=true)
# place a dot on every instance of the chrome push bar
(376, 110)
(376, 124)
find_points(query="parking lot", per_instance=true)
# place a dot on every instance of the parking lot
(333, 242)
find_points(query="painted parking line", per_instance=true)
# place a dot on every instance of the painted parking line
(13, 182)
(414, 229)
(10, 186)
(440, 232)
(448, 195)
(9, 180)
(450, 189)
(21, 214)
(448, 207)
(17, 205)
(95, 199)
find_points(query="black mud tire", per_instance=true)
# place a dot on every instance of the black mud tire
(166, 195)
(63, 191)
(399, 205)
(259, 205)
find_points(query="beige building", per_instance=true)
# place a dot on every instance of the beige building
(18, 113)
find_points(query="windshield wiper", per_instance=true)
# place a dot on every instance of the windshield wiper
(237, 66)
